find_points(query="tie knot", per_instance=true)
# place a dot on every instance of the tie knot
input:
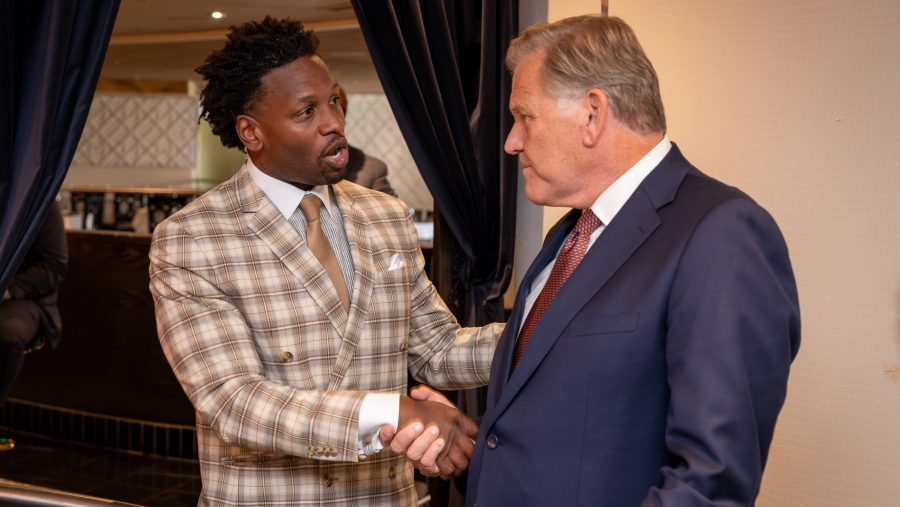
(587, 222)
(311, 206)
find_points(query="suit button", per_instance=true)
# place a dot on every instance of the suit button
(491, 441)
(392, 473)
(328, 480)
(286, 356)
(403, 347)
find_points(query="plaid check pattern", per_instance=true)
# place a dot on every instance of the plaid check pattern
(273, 364)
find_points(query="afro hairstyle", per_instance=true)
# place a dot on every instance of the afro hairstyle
(234, 74)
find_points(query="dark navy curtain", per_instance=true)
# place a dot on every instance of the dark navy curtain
(441, 64)
(442, 69)
(50, 61)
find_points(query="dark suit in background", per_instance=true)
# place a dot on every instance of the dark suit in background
(368, 171)
(28, 312)
(364, 169)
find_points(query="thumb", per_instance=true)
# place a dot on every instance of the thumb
(386, 434)
(423, 392)
(420, 392)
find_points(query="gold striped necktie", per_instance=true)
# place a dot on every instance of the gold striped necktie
(311, 207)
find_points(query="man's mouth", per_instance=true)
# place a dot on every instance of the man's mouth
(337, 154)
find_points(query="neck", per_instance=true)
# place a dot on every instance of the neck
(614, 156)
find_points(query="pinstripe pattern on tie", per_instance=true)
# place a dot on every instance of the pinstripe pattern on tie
(275, 372)
(311, 208)
(333, 227)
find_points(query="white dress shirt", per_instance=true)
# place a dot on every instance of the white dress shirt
(376, 409)
(605, 207)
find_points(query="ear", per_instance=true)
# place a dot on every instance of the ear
(248, 130)
(597, 105)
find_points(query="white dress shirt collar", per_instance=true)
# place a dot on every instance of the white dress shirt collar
(613, 198)
(285, 196)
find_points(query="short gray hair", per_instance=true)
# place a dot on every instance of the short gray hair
(601, 52)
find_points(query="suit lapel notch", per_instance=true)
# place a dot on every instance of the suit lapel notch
(277, 233)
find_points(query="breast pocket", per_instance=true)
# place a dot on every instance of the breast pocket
(597, 325)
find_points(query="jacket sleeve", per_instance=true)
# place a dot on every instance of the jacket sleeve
(45, 264)
(441, 353)
(212, 352)
(733, 330)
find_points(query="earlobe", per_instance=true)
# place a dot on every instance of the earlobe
(248, 130)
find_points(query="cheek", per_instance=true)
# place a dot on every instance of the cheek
(302, 150)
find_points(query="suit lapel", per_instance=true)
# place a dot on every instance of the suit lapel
(357, 229)
(634, 223)
(264, 219)
(503, 355)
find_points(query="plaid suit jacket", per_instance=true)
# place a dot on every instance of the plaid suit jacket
(274, 365)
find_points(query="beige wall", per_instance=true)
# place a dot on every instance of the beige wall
(796, 103)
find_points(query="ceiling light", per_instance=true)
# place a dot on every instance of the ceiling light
(217, 14)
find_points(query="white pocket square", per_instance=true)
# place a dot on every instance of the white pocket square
(396, 262)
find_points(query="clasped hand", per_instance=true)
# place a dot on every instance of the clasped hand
(433, 433)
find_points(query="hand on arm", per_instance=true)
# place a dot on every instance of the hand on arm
(433, 433)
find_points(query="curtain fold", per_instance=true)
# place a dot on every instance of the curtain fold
(49, 67)
(441, 66)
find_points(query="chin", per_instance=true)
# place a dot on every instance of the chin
(534, 195)
(332, 176)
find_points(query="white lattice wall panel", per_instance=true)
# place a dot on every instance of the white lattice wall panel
(371, 126)
(130, 130)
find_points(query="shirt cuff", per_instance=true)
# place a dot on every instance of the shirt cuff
(376, 410)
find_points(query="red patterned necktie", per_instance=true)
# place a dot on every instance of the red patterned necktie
(569, 257)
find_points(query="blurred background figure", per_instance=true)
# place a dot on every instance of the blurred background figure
(29, 316)
(363, 169)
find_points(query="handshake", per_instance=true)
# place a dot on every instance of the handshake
(433, 433)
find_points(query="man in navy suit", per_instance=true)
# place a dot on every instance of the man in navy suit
(647, 355)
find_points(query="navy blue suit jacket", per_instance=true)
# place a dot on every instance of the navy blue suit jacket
(657, 373)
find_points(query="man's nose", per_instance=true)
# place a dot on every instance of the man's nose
(513, 144)
(333, 122)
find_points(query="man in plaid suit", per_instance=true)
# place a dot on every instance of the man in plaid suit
(290, 326)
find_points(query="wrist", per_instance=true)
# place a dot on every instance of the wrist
(404, 414)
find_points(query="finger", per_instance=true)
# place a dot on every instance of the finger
(420, 392)
(458, 456)
(406, 436)
(432, 471)
(466, 445)
(430, 457)
(386, 434)
(470, 428)
(423, 392)
(418, 447)
(446, 466)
